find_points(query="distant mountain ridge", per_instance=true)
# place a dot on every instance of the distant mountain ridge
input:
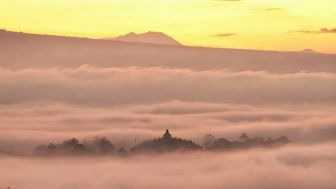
(148, 37)
(49, 51)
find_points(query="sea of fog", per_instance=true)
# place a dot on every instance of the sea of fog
(133, 104)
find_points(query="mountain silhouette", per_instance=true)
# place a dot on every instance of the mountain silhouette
(148, 37)
(49, 51)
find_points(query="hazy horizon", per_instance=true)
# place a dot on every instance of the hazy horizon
(120, 37)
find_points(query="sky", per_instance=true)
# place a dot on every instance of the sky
(291, 25)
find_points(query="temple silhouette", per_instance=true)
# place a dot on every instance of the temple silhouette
(165, 144)
(167, 135)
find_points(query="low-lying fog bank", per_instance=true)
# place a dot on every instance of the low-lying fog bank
(23, 127)
(290, 167)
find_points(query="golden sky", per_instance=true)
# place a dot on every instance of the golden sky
(249, 24)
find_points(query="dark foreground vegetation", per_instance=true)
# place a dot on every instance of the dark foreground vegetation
(166, 143)
(244, 142)
(96, 146)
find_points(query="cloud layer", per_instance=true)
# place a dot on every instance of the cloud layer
(40, 105)
(117, 86)
(26, 126)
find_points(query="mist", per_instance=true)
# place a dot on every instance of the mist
(297, 166)
(156, 84)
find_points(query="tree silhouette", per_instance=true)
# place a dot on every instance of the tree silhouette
(208, 141)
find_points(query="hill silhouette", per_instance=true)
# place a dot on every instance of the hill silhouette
(244, 142)
(74, 147)
(148, 37)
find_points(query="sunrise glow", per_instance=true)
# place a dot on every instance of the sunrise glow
(248, 24)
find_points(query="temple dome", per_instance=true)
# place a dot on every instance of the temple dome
(167, 135)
